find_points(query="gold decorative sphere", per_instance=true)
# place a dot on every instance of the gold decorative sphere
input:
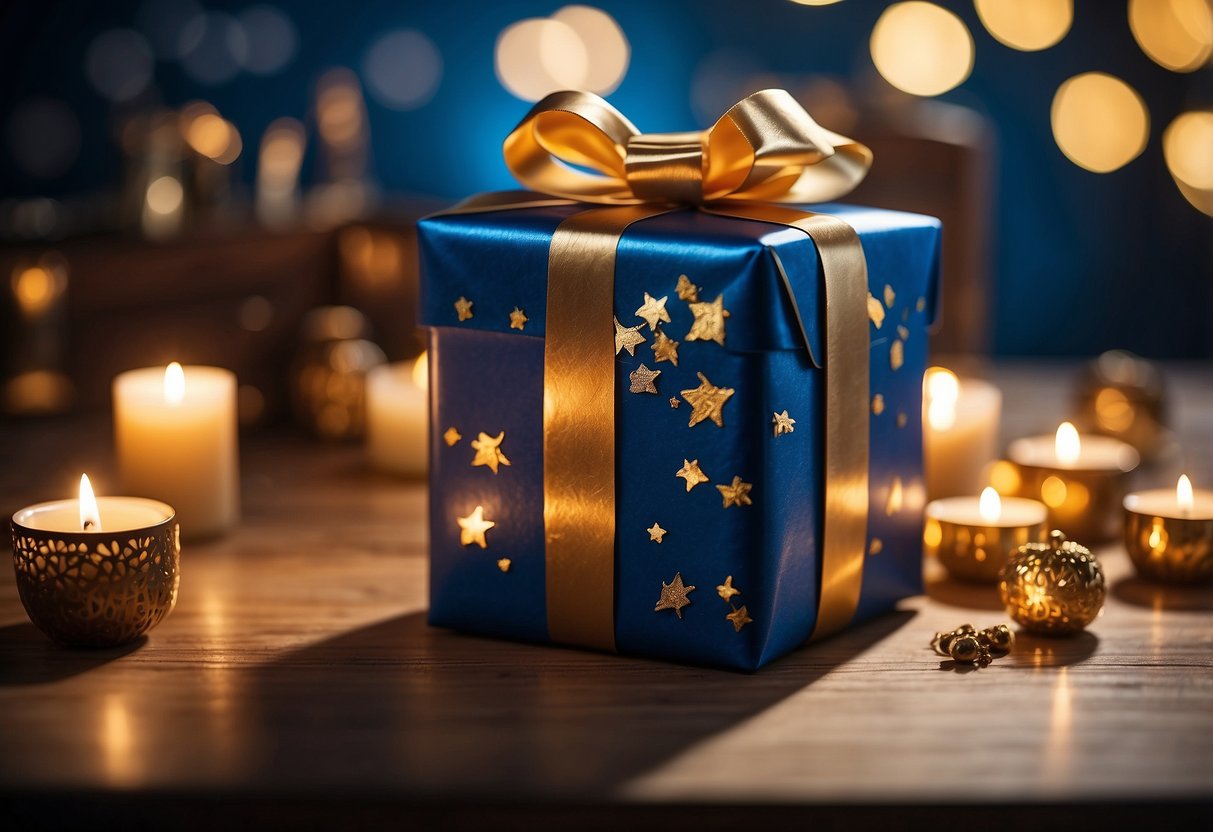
(1054, 588)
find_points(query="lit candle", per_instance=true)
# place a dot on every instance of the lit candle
(96, 572)
(397, 425)
(175, 430)
(960, 431)
(974, 536)
(1080, 478)
(1169, 534)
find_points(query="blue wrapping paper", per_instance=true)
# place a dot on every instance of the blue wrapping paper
(487, 377)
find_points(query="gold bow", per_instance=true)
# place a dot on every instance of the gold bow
(766, 148)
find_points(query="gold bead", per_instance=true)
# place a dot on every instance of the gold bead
(1054, 588)
(966, 649)
(999, 639)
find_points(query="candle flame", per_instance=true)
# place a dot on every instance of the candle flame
(421, 371)
(1068, 445)
(1183, 493)
(90, 515)
(990, 505)
(941, 390)
(174, 384)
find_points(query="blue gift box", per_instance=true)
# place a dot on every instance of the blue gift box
(753, 561)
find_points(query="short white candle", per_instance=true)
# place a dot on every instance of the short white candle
(1183, 502)
(974, 536)
(175, 429)
(97, 515)
(397, 423)
(960, 432)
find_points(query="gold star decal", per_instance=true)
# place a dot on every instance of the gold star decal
(664, 348)
(691, 472)
(783, 423)
(889, 296)
(903, 332)
(901, 420)
(674, 595)
(627, 337)
(875, 311)
(686, 290)
(656, 532)
(473, 527)
(488, 451)
(451, 436)
(642, 379)
(876, 546)
(709, 321)
(737, 494)
(504, 564)
(674, 402)
(463, 308)
(707, 402)
(518, 319)
(653, 310)
(739, 617)
(726, 590)
(878, 404)
(920, 304)
(897, 355)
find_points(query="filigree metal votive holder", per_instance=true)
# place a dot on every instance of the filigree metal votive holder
(1167, 542)
(97, 589)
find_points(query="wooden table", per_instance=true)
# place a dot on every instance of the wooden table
(297, 682)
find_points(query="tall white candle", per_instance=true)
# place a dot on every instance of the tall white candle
(175, 431)
(397, 424)
(960, 432)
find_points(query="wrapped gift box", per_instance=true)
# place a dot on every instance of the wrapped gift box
(751, 554)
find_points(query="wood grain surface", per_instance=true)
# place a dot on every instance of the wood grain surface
(298, 663)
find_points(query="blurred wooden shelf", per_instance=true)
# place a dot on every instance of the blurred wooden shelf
(298, 684)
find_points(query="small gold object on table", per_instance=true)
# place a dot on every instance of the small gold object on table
(974, 536)
(1055, 588)
(968, 645)
(1081, 479)
(1169, 534)
(86, 584)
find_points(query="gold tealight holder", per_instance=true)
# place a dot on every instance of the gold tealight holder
(1169, 534)
(973, 537)
(88, 585)
(1081, 480)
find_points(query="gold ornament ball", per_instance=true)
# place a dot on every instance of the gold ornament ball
(1054, 588)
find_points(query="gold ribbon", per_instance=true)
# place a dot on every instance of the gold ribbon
(574, 146)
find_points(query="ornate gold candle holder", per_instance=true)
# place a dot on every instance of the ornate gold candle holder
(1169, 534)
(973, 537)
(97, 588)
(1081, 480)
(1053, 589)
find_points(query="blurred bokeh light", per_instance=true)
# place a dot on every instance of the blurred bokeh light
(1177, 34)
(922, 48)
(402, 69)
(1029, 25)
(1099, 121)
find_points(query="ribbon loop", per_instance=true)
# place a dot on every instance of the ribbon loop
(666, 167)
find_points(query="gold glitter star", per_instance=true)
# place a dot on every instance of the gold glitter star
(686, 290)
(876, 546)
(627, 337)
(889, 296)
(783, 423)
(726, 590)
(897, 355)
(653, 310)
(656, 532)
(692, 473)
(878, 404)
(707, 401)
(674, 402)
(875, 311)
(463, 308)
(903, 332)
(674, 595)
(642, 379)
(488, 451)
(473, 527)
(664, 348)
(737, 494)
(920, 304)
(451, 436)
(709, 321)
(739, 617)
(901, 420)
(504, 564)
(518, 319)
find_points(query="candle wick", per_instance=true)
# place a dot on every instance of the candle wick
(88, 524)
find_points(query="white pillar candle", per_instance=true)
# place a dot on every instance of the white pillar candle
(397, 424)
(175, 431)
(960, 432)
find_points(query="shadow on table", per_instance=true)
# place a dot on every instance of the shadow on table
(401, 707)
(954, 593)
(1055, 651)
(1142, 593)
(27, 657)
